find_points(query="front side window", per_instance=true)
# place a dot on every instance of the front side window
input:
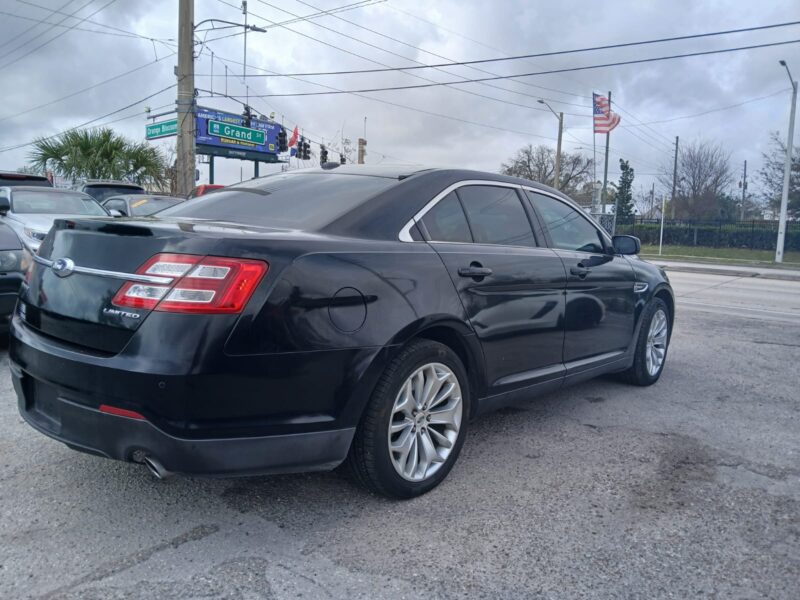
(496, 215)
(569, 229)
(55, 203)
(446, 222)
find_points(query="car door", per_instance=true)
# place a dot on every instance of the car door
(600, 285)
(512, 288)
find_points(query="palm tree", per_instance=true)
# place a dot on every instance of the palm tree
(99, 154)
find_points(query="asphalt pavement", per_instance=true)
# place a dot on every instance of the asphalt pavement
(689, 488)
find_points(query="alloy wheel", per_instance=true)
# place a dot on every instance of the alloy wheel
(425, 421)
(656, 342)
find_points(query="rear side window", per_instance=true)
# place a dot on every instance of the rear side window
(446, 221)
(569, 229)
(285, 200)
(496, 215)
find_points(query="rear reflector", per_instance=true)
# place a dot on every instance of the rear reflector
(120, 412)
(210, 284)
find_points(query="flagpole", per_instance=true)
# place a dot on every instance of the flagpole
(605, 169)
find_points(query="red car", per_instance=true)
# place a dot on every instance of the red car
(204, 189)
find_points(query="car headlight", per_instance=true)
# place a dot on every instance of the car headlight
(14, 260)
(35, 235)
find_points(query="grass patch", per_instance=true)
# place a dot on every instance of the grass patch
(701, 253)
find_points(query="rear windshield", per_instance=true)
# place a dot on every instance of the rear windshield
(292, 201)
(101, 192)
(11, 179)
(148, 206)
(59, 203)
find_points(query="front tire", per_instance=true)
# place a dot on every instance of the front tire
(651, 345)
(415, 423)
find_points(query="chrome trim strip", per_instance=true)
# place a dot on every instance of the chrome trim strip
(110, 274)
(640, 287)
(405, 232)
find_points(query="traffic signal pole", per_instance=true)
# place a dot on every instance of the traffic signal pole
(185, 100)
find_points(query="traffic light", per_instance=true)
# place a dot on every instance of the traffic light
(306, 150)
(323, 155)
(342, 159)
(283, 143)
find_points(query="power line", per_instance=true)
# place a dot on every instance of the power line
(548, 72)
(19, 58)
(419, 49)
(89, 122)
(470, 92)
(546, 54)
(84, 29)
(86, 89)
(127, 32)
(34, 26)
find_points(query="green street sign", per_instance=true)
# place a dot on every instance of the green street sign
(235, 132)
(161, 129)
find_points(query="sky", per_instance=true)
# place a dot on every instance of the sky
(52, 50)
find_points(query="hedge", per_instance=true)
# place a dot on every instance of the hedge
(758, 235)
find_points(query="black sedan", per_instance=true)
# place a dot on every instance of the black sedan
(305, 319)
(14, 261)
(139, 205)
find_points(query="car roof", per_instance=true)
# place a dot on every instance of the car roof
(42, 190)
(15, 175)
(111, 182)
(143, 197)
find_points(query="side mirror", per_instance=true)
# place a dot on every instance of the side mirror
(5, 205)
(116, 212)
(626, 244)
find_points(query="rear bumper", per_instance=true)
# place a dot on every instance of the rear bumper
(89, 430)
(242, 415)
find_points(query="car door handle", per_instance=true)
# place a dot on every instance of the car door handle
(579, 271)
(474, 270)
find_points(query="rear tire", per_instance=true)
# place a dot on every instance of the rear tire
(652, 343)
(415, 423)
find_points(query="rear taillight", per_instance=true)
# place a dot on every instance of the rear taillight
(209, 284)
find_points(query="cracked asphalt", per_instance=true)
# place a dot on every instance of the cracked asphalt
(690, 488)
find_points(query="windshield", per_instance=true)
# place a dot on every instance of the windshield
(101, 192)
(148, 206)
(66, 203)
(292, 201)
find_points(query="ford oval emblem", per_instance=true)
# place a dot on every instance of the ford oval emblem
(63, 267)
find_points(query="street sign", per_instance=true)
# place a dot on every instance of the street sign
(237, 136)
(161, 129)
(236, 132)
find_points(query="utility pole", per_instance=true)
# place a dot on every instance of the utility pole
(652, 199)
(558, 151)
(362, 150)
(674, 180)
(744, 190)
(605, 169)
(787, 172)
(185, 101)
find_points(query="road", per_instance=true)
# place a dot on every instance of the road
(689, 488)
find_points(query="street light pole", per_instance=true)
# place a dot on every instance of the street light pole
(787, 171)
(560, 117)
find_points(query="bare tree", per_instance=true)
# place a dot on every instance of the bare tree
(771, 176)
(704, 177)
(539, 164)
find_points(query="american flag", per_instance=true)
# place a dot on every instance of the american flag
(604, 119)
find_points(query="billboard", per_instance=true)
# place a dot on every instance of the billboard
(225, 134)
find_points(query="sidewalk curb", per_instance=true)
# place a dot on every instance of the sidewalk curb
(733, 271)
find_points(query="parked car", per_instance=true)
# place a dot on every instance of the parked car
(303, 319)
(100, 190)
(30, 211)
(14, 261)
(139, 205)
(13, 179)
(204, 188)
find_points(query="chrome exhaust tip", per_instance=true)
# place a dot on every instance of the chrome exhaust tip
(156, 468)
